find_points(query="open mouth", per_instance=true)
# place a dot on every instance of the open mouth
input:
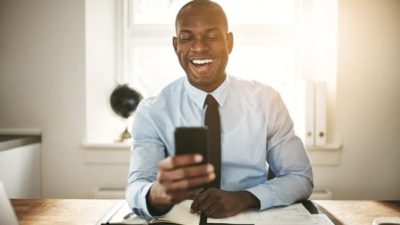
(199, 62)
(202, 65)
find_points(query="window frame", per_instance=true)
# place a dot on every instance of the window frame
(126, 29)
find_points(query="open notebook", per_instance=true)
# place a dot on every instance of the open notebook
(295, 214)
(179, 214)
(7, 215)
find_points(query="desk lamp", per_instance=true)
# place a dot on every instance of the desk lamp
(124, 101)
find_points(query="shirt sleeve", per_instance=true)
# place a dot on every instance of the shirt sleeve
(288, 160)
(146, 152)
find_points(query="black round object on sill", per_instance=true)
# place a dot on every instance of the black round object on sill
(124, 100)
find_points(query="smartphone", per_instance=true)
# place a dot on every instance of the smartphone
(191, 140)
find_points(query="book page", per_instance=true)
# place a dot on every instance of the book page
(180, 214)
(322, 219)
(295, 214)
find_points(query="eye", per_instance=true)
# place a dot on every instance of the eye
(213, 35)
(185, 37)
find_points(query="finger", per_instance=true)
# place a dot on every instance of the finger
(198, 191)
(200, 201)
(187, 184)
(214, 211)
(188, 172)
(210, 205)
(165, 176)
(179, 196)
(223, 212)
(179, 161)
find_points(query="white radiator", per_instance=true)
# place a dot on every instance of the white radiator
(321, 194)
(108, 193)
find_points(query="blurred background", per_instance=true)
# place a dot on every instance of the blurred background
(61, 60)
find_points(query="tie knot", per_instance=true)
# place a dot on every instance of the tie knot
(210, 101)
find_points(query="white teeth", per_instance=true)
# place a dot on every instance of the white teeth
(201, 61)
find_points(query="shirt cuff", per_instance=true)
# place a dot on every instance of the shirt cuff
(264, 194)
(138, 201)
(143, 202)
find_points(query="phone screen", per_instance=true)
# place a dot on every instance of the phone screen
(191, 140)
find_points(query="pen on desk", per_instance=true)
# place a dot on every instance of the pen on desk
(128, 215)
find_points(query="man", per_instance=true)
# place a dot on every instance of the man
(256, 132)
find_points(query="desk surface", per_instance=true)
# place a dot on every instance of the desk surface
(85, 212)
(358, 212)
(61, 211)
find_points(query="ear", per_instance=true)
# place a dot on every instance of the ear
(229, 41)
(175, 43)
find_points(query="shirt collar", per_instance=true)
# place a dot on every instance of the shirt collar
(199, 96)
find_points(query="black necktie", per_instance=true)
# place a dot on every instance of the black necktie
(212, 121)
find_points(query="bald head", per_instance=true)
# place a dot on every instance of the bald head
(202, 6)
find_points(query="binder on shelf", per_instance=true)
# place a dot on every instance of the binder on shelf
(310, 113)
(320, 112)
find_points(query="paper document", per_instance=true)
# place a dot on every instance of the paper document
(322, 219)
(179, 214)
(295, 214)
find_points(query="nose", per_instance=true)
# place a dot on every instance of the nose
(199, 45)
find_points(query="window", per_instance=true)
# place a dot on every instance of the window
(287, 44)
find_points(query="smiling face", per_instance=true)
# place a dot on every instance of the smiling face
(203, 44)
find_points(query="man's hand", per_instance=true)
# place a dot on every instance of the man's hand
(179, 178)
(216, 203)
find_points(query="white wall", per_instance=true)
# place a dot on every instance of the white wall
(368, 106)
(42, 85)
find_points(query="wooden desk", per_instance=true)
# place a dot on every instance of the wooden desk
(61, 211)
(85, 212)
(357, 212)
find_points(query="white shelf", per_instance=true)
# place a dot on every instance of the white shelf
(20, 131)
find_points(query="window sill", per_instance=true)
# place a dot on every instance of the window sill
(91, 145)
(119, 153)
(106, 152)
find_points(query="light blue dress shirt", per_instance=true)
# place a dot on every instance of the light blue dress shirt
(256, 132)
